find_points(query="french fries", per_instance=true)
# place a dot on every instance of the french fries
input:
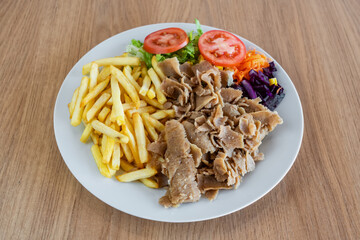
(96, 108)
(95, 150)
(95, 92)
(136, 175)
(73, 101)
(154, 63)
(151, 92)
(77, 114)
(140, 137)
(161, 114)
(94, 72)
(115, 102)
(104, 73)
(131, 91)
(117, 108)
(108, 131)
(103, 114)
(149, 183)
(116, 61)
(145, 86)
(156, 81)
(115, 161)
(86, 133)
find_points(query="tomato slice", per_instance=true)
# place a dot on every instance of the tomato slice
(222, 48)
(167, 40)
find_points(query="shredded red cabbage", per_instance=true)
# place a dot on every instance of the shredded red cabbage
(259, 86)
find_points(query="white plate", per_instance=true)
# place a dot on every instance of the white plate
(280, 147)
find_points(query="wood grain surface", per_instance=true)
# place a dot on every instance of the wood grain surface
(317, 43)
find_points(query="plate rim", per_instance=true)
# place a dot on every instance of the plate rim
(280, 178)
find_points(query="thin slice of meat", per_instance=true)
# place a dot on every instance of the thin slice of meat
(209, 182)
(200, 139)
(171, 67)
(246, 125)
(230, 138)
(183, 187)
(162, 180)
(181, 112)
(195, 152)
(175, 90)
(157, 147)
(226, 78)
(212, 78)
(251, 105)
(231, 111)
(211, 194)
(201, 67)
(230, 95)
(179, 167)
(186, 70)
(201, 101)
(220, 168)
(268, 118)
(177, 146)
(217, 117)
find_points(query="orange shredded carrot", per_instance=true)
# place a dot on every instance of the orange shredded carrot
(253, 60)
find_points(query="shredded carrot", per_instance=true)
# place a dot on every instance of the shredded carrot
(253, 60)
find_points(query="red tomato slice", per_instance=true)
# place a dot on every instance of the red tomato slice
(167, 40)
(222, 48)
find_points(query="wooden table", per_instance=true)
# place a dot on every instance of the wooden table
(317, 43)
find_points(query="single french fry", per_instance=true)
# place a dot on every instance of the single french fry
(127, 167)
(147, 109)
(143, 71)
(136, 69)
(77, 114)
(151, 93)
(136, 75)
(130, 106)
(161, 114)
(73, 101)
(132, 145)
(86, 133)
(94, 72)
(108, 120)
(101, 127)
(109, 147)
(129, 124)
(127, 152)
(145, 86)
(129, 88)
(100, 102)
(103, 143)
(116, 61)
(154, 63)
(95, 92)
(103, 114)
(104, 73)
(155, 123)
(140, 137)
(95, 150)
(149, 182)
(117, 108)
(127, 73)
(111, 171)
(115, 161)
(86, 109)
(110, 101)
(149, 128)
(136, 175)
(95, 138)
(156, 81)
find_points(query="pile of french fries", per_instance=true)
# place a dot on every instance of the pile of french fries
(120, 103)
